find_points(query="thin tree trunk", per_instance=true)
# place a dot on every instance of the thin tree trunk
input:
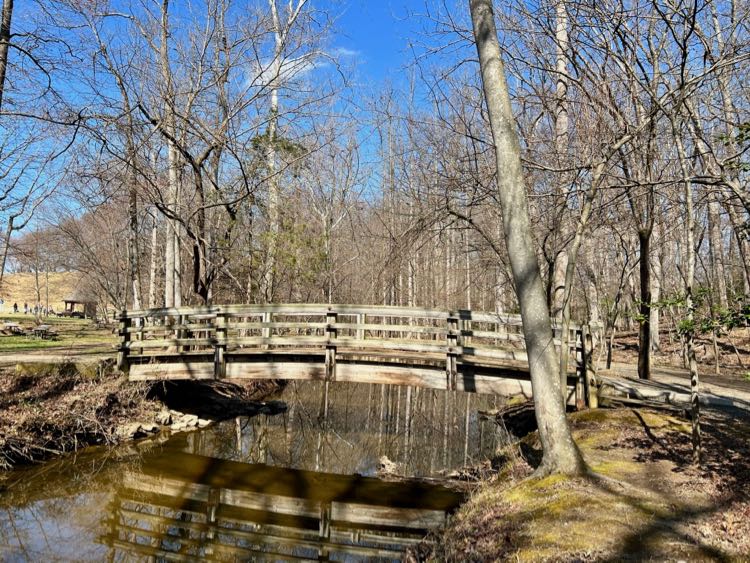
(4, 43)
(152, 265)
(656, 281)
(689, 277)
(717, 251)
(172, 290)
(560, 453)
(644, 330)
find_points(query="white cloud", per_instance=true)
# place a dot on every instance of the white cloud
(344, 52)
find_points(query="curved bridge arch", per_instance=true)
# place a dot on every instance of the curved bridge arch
(464, 350)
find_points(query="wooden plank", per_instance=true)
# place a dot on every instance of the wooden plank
(393, 344)
(387, 516)
(179, 370)
(393, 328)
(170, 342)
(276, 370)
(234, 342)
(162, 328)
(271, 325)
(430, 377)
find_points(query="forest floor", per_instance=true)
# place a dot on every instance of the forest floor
(644, 501)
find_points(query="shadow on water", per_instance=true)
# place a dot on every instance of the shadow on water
(313, 480)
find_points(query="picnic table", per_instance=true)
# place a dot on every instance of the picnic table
(42, 331)
(13, 328)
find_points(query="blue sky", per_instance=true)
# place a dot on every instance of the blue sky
(379, 32)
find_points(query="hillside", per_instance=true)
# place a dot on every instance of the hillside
(21, 288)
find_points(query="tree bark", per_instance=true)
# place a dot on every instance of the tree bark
(172, 286)
(717, 252)
(561, 455)
(4, 43)
(644, 330)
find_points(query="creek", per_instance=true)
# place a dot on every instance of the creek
(313, 477)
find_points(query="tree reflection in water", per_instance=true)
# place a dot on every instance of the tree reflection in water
(299, 484)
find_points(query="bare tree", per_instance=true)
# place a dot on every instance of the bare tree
(561, 455)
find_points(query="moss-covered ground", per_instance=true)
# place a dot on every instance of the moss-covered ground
(645, 500)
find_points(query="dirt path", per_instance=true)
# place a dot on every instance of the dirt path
(62, 354)
(672, 385)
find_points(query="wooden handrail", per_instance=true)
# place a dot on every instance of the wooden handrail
(459, 336)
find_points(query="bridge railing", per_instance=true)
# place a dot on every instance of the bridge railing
(335, 332)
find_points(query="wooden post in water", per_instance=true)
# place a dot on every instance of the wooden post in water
(451, 361)
(123, 351)
(220, 346)
(331, 331)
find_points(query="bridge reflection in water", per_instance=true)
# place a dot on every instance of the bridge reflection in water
(300, 484)
(297, 484)
(194, 507)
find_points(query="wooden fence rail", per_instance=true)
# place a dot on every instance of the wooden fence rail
(460, 349)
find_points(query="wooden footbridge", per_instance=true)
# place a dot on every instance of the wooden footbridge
(454, 350)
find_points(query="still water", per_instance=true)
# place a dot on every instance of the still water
(311, 480)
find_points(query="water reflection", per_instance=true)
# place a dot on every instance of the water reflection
(295, 485)
(193, 506)
(349, 428)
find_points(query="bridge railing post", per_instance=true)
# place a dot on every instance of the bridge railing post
(361, 319)
(122, 352)
(266, 330)
(220, 346)
(451, 360)
(331, 332)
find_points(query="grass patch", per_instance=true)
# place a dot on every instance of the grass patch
(71, 333)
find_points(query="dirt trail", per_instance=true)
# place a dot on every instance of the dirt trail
(672, 385)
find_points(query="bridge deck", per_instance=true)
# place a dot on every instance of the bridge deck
(464, 350)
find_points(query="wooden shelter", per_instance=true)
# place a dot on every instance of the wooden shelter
(80, 303)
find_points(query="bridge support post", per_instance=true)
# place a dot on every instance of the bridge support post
(331, 331)
(122, 352)
(451, 360)
(220, 347)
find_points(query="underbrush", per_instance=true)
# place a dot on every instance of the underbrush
(50, 409)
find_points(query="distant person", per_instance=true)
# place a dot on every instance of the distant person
(25, 308)
(2, 305)
(15, 308)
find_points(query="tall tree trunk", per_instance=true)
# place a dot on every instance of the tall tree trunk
(152, 265)
(689, 279)
(560, 265)
(716, 248)
(561, 455)
(644, 330)
(4, 43)
(656, 281)
(172, 285)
